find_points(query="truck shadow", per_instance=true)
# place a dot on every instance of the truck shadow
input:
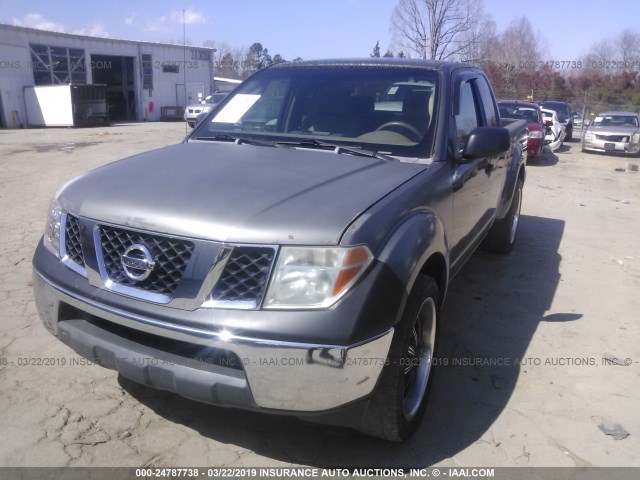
(492, 311)
(548, 159)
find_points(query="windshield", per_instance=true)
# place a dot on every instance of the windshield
(563, 109)
(388, 110)
(215, 98)
(616, 120)
(512, 110)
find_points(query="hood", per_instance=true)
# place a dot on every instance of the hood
(612, 130)
(237, 193)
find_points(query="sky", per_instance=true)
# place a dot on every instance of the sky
(311, 29)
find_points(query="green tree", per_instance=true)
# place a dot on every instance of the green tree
(376, 51)
(259, 56)
(228, 67)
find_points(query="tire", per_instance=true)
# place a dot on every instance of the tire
(398, 403)
(502, 236)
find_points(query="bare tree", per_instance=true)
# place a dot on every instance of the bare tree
(517, 50)
(221, 49)
(628, 46)
(518, 44)
(433, 29)
(480, 41)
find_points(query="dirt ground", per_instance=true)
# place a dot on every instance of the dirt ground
(542, 350)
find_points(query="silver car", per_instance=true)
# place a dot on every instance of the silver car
(205, 106)
(616, 132)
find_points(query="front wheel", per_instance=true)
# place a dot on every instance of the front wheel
(502, 236)
(398, 403)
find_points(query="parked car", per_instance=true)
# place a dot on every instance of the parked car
(615, 132)
(192, 111)
(293, 263)
(565, 117)
(554, 130)
(530, 112)
(577, 120)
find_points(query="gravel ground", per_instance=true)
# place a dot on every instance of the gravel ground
(536, 343)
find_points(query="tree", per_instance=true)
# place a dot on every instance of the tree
(480, 41)
(516, 53)
(220, 49)
(628, 44)
(376, 51)
(228, 67)
(518, 44)
(388, 54)
(259, 56)
(433, 29)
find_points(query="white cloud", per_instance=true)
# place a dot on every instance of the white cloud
(166, 23)
(130, 19)
(95, 30)
(156, 26)
(35, 20)
(191, 17)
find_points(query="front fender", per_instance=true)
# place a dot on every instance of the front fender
(408, 247)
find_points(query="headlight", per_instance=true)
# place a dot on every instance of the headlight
(52, 229)
(535, 134)
(588, 136)
(635, 138)
(315, 277)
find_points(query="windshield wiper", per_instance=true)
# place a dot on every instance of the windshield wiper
(224, 137)
(339, 149)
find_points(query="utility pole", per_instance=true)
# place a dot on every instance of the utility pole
(584, 110)
(184, 63)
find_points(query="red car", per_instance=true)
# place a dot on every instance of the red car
(531, 113)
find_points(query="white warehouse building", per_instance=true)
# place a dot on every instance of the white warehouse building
(143, 79)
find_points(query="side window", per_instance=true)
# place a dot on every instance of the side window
(467, 117)
(487, 102)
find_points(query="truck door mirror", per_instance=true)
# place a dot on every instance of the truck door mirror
(487, 142)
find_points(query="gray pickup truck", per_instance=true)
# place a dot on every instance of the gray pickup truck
(291, 255)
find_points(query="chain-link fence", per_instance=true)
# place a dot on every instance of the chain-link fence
(586, 107)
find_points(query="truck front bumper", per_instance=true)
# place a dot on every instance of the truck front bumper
(212, 367)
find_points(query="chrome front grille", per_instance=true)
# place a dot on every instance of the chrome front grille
(170, 256)
(613, 138)
(245, 276)
(226, 276)
(72, 241)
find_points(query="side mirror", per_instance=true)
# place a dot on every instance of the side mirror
(487, 142)
(548, 123)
